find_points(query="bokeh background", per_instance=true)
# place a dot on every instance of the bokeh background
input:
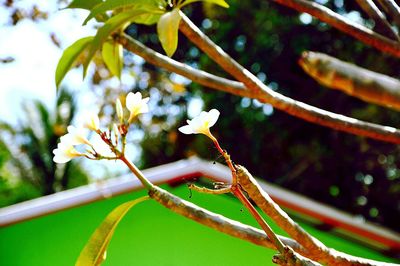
(355, 174)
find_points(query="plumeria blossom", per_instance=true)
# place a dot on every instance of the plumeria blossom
(201, 124)
(75, 136)
(92, 122)
(136, 105)
(65, 152)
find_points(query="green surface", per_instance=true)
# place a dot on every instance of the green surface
(148, 235)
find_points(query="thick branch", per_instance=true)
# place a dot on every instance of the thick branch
(266, 95)
(359, 32)
(318, 250)
(351, 79)
(269, 207)
(279, 101)
(218, 222)
(381, 24)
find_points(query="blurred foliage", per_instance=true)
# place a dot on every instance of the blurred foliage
(27, 169)
(355, 174)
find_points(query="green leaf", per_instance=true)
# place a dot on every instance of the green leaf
(111, 25)
(112, 56)
(152, 6)
(217, 2)
(70, 56)
(147, 18)
(167, 29)
(84, 4)
(94, 251)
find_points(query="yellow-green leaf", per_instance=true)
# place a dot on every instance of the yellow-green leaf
(152, 6)
(112, 56)
(94, 251)
(70, 56)
(84, 4)
(217, 2)
(147, 18)
(167, 29)
(113, 24)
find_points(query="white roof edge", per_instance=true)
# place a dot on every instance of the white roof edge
(164, 173)
(95, 191)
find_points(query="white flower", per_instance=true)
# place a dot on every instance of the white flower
(65, 152)
(136, 105)
(75, 136)
(120, 111)
(92, 122)
(201, 124)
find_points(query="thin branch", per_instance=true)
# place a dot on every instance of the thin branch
(318, 250)
(353, 80)
(358, 31)
(381, 24)
(391, 7)
(266, 95)
(269, 207)
(218, 222)
(279, 101)
(209, 190)
(260, 220)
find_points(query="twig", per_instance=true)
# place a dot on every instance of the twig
(267, 229)
(381, 24)
(279, 101)
(351, 79)
(210, 191)
(358, 31)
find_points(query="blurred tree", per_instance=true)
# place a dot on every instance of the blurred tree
(27, 152)
(353, 173)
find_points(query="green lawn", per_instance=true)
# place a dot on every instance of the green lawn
(148, 235)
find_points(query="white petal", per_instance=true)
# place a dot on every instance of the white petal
(213, 116)
(59, 158)
(186, 129)
(132, 100)
(144, 108)
(92, 122)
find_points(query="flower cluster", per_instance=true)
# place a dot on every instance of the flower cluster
(136, 105)
(76, 136)
(66, 149)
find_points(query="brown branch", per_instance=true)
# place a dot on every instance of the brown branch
(279, 101)
(266, 95)
(218, 222)
(391, 7)
(318, 251)
(359, 32)
(351, 79)
(381, 24)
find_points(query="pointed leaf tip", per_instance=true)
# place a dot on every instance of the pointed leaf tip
(167, 29)
(95, 249)
(69, 57)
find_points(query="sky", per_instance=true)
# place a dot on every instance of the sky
(31, 75)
